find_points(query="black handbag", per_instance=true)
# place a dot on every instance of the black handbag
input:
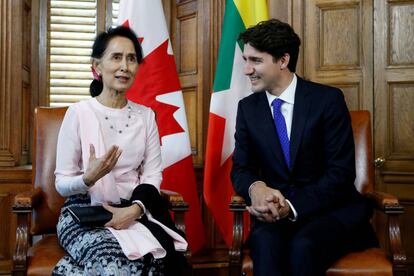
(92, 216)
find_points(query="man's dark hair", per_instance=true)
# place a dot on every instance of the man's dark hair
(274, 37)
(100, 45)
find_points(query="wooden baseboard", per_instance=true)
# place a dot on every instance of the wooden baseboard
(210, 262)
(5, 267)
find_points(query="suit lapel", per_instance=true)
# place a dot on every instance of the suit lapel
(269, 131)
(300, 113)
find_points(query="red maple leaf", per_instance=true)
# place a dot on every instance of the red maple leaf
(157, 75)
(126, 24)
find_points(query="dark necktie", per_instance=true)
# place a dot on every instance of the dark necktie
(281, 129)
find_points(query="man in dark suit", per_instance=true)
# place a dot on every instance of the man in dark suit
(294, 162)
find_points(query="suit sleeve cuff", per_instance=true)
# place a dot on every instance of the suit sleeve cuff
(295, 214)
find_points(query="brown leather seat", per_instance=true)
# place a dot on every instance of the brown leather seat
(38, 210)
(43, 255)
(373, 261)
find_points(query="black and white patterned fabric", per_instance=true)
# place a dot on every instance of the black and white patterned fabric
(95, 251)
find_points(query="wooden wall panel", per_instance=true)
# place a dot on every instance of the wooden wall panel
(401, 40)
(190, 100)
(6, 152)
(352, 93)
(394, 98)
(280, 9)
(26, 82)
(188, 38)
(338, 47)
(191, 51)
(339, 24)
(15, 60)
(401, 98)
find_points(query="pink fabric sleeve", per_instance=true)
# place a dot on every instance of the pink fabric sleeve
(69, 157)
(151, 167)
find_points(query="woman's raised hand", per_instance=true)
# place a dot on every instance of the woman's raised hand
(99, 167)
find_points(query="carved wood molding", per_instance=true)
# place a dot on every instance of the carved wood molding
(16, 175)
(14, 39)
(6, 157)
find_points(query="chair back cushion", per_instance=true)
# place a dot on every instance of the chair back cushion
(47, 122)
(361, 127)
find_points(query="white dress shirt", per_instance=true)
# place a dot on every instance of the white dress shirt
(288, 97)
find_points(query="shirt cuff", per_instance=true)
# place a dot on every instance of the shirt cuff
(79, 184)
(140, 204)
(295, 214)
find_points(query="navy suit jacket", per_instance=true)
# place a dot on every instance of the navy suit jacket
(322, 174)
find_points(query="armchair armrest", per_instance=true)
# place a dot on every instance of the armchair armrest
(179, 207)
(237, 203)
(387, 203)
(26, 201)
(237, 206)
(175, 200)
(390, 206)
(22, 206)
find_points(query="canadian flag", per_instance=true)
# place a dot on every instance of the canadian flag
(157, 86)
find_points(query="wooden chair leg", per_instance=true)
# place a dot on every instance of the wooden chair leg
(237, 206)
(19, 267)
(235, 269)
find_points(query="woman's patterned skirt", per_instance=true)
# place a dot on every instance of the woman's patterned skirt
(95, 251)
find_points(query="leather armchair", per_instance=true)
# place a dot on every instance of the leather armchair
(388, 260)
(38, 210)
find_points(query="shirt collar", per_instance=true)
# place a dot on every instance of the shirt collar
(288, 95)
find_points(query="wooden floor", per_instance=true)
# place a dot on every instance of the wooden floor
(211, 262)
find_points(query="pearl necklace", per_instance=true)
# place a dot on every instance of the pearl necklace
(113, 125)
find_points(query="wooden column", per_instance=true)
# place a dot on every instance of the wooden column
(18, 67)
(15, 96)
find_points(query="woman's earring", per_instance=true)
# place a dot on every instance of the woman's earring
(95, 74)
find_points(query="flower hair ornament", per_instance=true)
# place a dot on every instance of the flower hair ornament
(95, 74)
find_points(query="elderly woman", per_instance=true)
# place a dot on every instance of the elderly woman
(108, 153)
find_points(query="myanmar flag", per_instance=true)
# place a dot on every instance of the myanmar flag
(230, 86)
